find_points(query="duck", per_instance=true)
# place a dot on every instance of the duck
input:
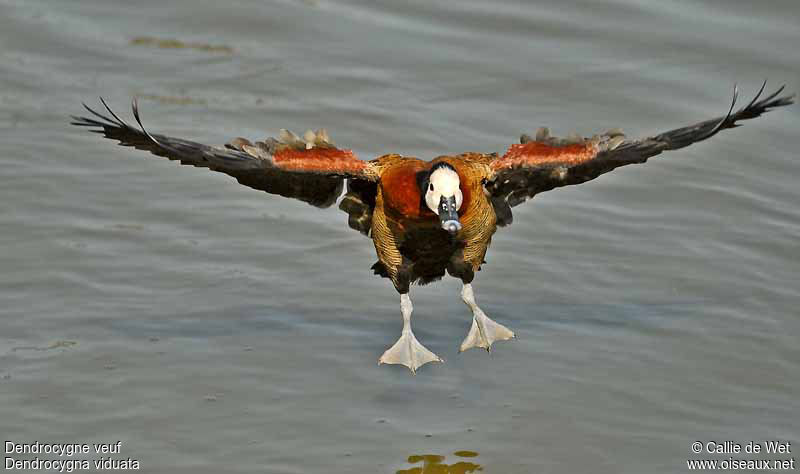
(426, 219)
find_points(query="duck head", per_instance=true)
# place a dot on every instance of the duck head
(443, 195)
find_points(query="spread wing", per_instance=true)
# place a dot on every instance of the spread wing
(543, 163)
(311, 169)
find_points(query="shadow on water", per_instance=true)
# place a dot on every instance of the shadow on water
(434, 464)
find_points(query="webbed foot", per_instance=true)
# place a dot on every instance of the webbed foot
(409, 352)
(484, 331)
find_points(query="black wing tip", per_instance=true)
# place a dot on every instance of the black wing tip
(726, 120)
(106, 122)
(111, 127)
(135, 110)
(773, 100)
(753, 109)
(99, 120)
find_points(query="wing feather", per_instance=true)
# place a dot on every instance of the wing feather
(544, 163)
(311, 170)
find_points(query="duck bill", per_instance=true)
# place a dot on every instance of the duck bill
(449, 215)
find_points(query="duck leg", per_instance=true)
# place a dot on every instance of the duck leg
(407, 350)
(484, 331)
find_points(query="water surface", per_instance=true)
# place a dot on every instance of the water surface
(213, 328)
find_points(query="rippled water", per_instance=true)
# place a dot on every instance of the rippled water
(212, 328)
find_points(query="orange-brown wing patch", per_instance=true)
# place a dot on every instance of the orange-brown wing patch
(536, 153)
(401, 190)
(321, 160)
(313, 153)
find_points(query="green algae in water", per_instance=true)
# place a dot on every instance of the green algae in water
(167, 43)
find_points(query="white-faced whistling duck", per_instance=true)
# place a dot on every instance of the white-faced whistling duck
(424, 217)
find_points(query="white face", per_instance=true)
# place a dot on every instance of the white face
(443, 182)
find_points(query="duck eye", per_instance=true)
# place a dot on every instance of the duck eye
(431, 188)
